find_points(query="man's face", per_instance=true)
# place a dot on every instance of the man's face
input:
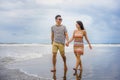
(59, 20)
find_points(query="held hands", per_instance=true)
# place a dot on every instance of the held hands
(67, 44)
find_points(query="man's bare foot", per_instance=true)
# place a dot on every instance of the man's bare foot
(53, 70)
(65, 68)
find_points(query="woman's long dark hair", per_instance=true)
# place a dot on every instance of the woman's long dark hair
(80, 24)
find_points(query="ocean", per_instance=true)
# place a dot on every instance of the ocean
(100, 63)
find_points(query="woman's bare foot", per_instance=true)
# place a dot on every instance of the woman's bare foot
(80, 69)
(75, 71)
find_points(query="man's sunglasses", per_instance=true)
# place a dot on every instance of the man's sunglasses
(60, 19)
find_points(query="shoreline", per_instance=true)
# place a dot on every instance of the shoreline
(7, 73)
(15, 74)
(97, 64)
(44, 45)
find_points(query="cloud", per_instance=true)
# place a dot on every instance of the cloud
(109, 4)
(31, 20)
(49, 2)
(9, 5)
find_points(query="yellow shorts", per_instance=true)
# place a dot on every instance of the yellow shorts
(58, 46)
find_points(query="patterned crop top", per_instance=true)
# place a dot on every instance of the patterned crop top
(78, 35)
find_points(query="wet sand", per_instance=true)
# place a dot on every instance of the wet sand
(102, 63)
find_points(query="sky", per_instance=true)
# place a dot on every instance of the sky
(30, 21)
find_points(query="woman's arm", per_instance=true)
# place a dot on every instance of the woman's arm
(85, 34)
(71, 39)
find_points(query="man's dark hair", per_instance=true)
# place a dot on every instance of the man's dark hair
(57, 16)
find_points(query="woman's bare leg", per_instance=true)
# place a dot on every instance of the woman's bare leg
(77, 61)
(80, 63)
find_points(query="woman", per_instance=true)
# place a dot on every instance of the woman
(78, 43)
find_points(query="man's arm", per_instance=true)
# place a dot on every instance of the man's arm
(66, 35)
(52, 37)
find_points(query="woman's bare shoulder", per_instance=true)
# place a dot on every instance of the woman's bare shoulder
(84, 32)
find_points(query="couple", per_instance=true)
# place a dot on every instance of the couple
(58, 36)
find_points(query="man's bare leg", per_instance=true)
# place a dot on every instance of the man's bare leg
(54, 62)
(64, 60)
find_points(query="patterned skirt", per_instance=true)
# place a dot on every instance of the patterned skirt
(79, 48)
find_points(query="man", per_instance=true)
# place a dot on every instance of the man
(58, 36)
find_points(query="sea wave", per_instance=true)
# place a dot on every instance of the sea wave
(25, 45)
(27, 56)
(6, 60)
(43, 78)
(18, 57)
(117, 45)
(19, 52)
(106, 45)
(24, 51)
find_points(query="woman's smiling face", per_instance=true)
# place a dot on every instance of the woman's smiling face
(77, 26)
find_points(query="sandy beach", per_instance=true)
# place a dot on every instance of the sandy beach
(102, 63)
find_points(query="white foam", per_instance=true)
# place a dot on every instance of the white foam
(106, 45)
(35, 44)
(24, 51)
(27, 57)
(25, 44)
(101, 45)
(34, 75)
(31, 52)
(19, 57)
